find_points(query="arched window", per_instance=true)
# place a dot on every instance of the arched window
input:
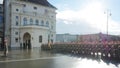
(37, 22)
(31, 21)
(40, 39)
(47, 24)
(42, 23)
(25, 21)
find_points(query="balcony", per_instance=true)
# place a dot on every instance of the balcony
(34, 26)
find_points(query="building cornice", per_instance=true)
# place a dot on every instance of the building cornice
(41, 2)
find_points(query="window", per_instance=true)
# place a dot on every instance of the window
(24, 5)
(17, 9)
(42, 23)
(0, 8)
(51, 40)
(16, 23)
(25, 21)
(16, 17)
(40, 39)
(16, 33)
(37, 22)
(35, 8)
(46, 11)
(16, 39)
(52, 35)
(31, 21)
(52, 16)
(48, 38)
(1, 19)
(47, 24)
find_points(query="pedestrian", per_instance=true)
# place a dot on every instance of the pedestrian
(5, 48)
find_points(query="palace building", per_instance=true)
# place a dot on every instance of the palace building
(29, 23)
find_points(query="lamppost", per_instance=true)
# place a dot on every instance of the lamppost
(108, 13)
(3, 22)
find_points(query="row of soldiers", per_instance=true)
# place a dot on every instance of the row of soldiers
(93, 42)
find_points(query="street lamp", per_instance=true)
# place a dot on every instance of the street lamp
(108, 13)
(3, 22)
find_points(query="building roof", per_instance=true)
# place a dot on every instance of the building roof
(41, 2)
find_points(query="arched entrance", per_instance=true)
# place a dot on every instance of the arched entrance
(27, 41)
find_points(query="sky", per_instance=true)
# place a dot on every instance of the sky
(1, 1)
(87, 16)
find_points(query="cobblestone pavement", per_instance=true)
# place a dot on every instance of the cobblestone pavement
(34, 58)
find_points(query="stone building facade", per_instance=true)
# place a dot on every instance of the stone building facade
(29, 23)
(62, 38)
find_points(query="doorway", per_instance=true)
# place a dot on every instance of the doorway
(27, 41)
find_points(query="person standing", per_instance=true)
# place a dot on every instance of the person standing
(5, 48)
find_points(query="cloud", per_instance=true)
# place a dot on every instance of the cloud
(82, 28)
(92, 15)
